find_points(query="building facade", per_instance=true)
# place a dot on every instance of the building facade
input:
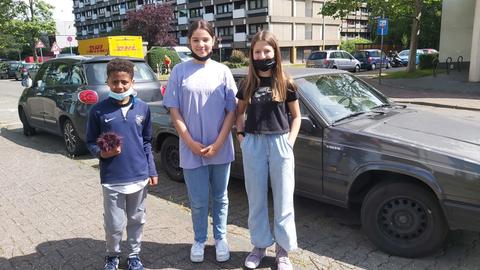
(356, 24)
(296, 23)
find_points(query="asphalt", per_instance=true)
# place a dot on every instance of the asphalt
(444, 90)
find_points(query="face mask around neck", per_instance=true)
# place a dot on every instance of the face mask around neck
(121, 96)
(202, 58)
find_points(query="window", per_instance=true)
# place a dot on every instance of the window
(97, 72)
(224, 8)
(240, 28)
(101, 11)
(115, 8)
(182, 13)
(256, 4)
(225, 31)
(196, 12)
(254, 28)
(131, 5)
(89, 13)
(57, 74)
(209, 9)
(77, 76)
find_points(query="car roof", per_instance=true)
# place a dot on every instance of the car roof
(94, 58)
(296, 72)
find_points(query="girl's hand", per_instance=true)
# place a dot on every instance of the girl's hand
(210, 151)
(153, 180)
(111, 153)
(197, 148)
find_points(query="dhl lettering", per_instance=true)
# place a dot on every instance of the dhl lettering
(96, 48)
(126, 48)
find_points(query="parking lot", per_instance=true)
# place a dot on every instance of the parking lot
(51, 216)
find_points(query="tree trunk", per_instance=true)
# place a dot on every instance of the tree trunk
(414, 37)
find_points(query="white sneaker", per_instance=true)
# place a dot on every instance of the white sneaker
(196, 252)
(222, 251)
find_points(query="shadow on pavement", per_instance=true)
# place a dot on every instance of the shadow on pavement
(84, 253)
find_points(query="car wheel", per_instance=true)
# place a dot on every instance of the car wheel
(389, 65)
(357, 69)
(73, 144)
(27, 129)
(403, 219)
(373, 67)
(170, 158)
(334, 67)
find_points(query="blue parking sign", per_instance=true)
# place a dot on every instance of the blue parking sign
(382, 27)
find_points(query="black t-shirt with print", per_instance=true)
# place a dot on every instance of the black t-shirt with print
(265, 116)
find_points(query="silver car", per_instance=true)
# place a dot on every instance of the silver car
(336, 59)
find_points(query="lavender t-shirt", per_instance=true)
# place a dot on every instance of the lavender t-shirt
(203, 93)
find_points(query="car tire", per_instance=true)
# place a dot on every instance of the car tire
(357, 69)
(373, 67)
(170, 158)
(73, 143)
(389, 65)
(27, 129)
(403, 219)
(334, 67)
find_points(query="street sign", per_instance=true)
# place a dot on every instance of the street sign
(382, 27)
(39, 44)
(55, 48)
(69, 39)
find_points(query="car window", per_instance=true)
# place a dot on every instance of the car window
(77, 76)
(338, 95)
(374, 54)
(346, 55)
(40, 74)
(57, 74)
(361, 54)
(333, 55)
(97, 72)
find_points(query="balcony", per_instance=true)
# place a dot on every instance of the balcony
(257, 11)
(95, 31)
(182, 20)
(80, 5)
(123, 11)
(82, 19)
(109, 29)
(107, 14)
(209, 17)
(183, 40)
(239, 13)
(240, 37)
(84, 32)
(92, 2)
(223, 15)
(179, 2)
(94, 16)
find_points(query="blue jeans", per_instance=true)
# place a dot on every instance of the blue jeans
(199, 182)
(265, 155)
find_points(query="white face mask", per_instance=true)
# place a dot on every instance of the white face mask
(121, 96)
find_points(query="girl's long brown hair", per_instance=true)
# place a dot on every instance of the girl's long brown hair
(280, 81)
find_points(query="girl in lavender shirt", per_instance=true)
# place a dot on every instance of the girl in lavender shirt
(201, 97)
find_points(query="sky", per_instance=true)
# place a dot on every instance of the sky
(63, 10)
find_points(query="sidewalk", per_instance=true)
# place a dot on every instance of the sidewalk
(446, 90)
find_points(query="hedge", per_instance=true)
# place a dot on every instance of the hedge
(155, 56)
(426, 60)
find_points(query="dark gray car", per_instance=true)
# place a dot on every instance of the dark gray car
(64, 90)
(414, 174)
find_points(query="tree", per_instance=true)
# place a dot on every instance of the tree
(395, 10)
(153, 23)
(27, 22)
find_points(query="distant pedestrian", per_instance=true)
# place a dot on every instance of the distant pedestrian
(119, 134)
(201, 98)
(267, 138)
(166, 63)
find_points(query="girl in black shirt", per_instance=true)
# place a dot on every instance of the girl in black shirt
(267, 138)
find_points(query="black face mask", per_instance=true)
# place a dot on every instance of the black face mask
(202, 58)
(264, 64)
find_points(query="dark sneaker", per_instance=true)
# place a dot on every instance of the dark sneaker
(283, 262)
(134, 263)
(111, 263)
(255, 257)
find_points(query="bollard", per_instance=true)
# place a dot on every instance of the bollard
(459, 68)
(434, 66)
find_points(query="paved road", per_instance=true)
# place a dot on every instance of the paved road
(51, 216)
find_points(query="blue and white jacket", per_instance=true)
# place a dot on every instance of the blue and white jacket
(135, 162)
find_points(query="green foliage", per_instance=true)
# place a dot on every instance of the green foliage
(349, 45)
(155, 56)
(426, 61)
(404, 40)
(237, 60)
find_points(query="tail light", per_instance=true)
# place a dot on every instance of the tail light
(369, 59)
(88, 97)
(163, 88)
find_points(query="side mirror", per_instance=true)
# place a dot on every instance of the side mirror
(307, 125)
(27, 82)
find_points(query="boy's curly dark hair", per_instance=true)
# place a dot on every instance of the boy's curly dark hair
(120, 65)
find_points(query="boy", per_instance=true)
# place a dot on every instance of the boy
(125, 170)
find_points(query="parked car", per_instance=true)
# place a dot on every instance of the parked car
(429, 51)
(4, 68)
(12, 68)
(62, 93)
(370, 59)
(336, 59)
(405, 54)
(413, 175)
(26, 68)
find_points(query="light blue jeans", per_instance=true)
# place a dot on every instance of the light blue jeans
(264, 155)
(199, 183)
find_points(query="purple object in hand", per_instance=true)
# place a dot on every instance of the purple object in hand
(108, 141)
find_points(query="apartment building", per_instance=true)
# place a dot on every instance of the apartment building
(356, 24)
(296, 23)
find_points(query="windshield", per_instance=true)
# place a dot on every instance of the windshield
(185, 56)
(97, 72)
(339, 95)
